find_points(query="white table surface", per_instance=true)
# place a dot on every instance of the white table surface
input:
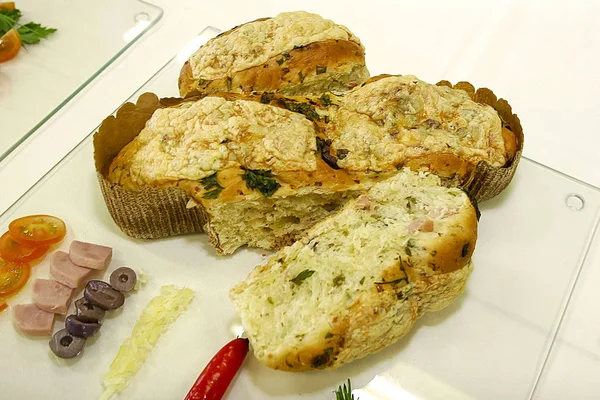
(543, 56)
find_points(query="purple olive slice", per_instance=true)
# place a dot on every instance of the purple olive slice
(65, 345)
(103, 295)
(87, 312)
(123, 279)
(81, 329)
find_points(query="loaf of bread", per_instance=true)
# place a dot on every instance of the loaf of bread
(263, 169)
(294, 53)
(359, 279)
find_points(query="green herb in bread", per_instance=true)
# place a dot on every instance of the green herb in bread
(359, 279)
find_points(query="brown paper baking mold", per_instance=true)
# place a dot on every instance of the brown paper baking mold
(486, 181)
(147, 213)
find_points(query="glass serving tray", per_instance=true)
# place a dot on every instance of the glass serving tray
(42, 78)
(494, 342)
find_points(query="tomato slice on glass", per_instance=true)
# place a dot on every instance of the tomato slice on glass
(37, 230)
(17, 252)
(7, 5)
(13, 276)
(10, 44)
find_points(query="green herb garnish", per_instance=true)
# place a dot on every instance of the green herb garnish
(321, 70)
(325, 100)
(338, 280)
(304, 109)
(213, 194)
(410, 203)
(328, 335)
(30, 33)
(211, 182)
(409, 245)
(280, 61)
(345, 393)
(266, 97)
(342, 153)
(261, 180)
(307, 273)
(362, 280)
(228, 83)
(300, 76)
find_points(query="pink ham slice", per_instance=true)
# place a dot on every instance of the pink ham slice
(421, 225)
(30, 320)
(64, 271)
(90, 255)
(51, 296)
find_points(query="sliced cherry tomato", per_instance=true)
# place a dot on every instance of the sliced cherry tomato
(17, 252)
(10, 44)
(7, 5)
(13, 276)
(37, 230)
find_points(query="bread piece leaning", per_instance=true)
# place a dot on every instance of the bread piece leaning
(358, 280)
(294, 53)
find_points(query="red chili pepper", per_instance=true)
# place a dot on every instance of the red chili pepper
(3, 305)
(217, 375)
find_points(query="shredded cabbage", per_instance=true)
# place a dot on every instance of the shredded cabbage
(161, 312)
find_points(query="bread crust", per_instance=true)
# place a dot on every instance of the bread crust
(326, 66)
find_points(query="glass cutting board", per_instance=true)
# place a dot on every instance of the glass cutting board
(492, 343)
(44, 77)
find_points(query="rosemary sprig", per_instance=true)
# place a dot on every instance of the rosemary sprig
(345, 392)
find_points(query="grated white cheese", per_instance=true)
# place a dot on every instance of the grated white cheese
(158, 315)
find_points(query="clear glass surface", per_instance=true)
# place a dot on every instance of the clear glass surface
(497, 341)
(44, 77)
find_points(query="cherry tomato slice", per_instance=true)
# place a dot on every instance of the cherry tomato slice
(7, 5)
(37, 230)
(10, 44)
(13, 276)
(17, 252)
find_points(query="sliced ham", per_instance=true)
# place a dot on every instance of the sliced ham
(51, 296)
(90, 255)
(421, 225)
(64, 271)
(31, 320)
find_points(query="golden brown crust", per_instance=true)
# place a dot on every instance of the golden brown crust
(510, 143)
(296, 70)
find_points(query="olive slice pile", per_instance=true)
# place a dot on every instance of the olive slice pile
(98, 297)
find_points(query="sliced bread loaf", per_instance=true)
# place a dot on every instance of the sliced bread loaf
(359, 279)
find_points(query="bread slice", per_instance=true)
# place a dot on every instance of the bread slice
(358, 280)
(294, 53)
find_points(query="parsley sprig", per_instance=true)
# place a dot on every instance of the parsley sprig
(31, 32)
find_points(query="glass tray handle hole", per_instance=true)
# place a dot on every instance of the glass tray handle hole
(575, 202)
